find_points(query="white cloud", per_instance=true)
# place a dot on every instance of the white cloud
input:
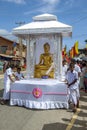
(50, 5)
(3, 32)
(69, 2)
(16, 1)
(44, 6)
(6, 34)
(51, 1)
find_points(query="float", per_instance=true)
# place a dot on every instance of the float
(43, 87)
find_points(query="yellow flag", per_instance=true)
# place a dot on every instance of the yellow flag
(86, 46)
(76, 47)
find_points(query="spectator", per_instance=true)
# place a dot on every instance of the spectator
(18, 74)
(8, 72)
(72, 82)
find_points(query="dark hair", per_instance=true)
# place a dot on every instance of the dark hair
(19, 68)
(8, 65)
(64, 61)
(71, 65)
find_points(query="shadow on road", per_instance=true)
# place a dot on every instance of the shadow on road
(54, 126)
(1, 93)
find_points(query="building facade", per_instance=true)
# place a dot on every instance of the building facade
(9, 50)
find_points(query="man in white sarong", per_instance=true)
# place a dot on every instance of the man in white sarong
(72, 82)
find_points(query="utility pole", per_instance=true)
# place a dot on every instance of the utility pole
(20, 43)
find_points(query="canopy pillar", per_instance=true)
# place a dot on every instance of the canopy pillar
(30, 57)
(58, 55)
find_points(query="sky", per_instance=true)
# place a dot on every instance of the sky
(71, 12)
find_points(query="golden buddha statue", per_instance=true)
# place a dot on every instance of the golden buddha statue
(46, 60)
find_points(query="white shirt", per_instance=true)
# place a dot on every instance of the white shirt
(6, 75)
(19, 75)
(71, 76)
(77, 68)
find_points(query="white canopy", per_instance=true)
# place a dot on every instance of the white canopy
(43, 24)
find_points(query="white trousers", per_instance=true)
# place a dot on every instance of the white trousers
(6, 93)
(74, 95)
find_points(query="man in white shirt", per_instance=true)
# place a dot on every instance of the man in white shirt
(72, 82)
(78, 70)
(8, 72)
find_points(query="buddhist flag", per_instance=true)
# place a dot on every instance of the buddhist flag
(76, 47)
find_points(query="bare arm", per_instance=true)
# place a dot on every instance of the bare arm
(72, 83)
(10, 77)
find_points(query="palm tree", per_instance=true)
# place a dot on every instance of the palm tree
(86, 40)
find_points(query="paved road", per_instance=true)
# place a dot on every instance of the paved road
(20, 118)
